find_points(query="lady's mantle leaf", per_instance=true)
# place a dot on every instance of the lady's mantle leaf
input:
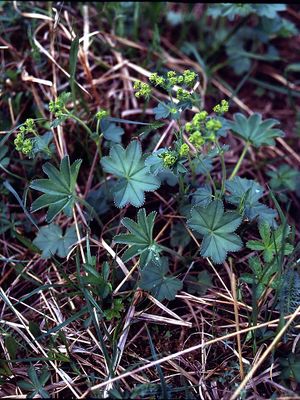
(217, 229)
(51, 240)
(162, 110)
(203, 196)
(154, 278)
(140, 239)
(134, 177)
(111, 131)
(254, 130)
(284, 178)
(59, 188)
(245, 193)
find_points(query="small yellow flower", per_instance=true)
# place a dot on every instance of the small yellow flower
(213, 125)
(101, 114)
(184, 150)
(169, 159)
(221, 108)
(196, 139)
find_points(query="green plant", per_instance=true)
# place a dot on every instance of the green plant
(155, 278)
(36, 384)
(133, 177)
(261, 276)
(290, 367)
(51, 241)
(272, 242)
(217, 229)
(166, 239)
(136, 173)
(140, 239)
(283, 180)
(59, 189)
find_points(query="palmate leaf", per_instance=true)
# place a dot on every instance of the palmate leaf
(59, 189)
(140, 239)
(162, 110)
(111, 131)
(246, 193)
(230, 10)
(42, 144)
(217, 229)
(154, 279)
(51, 241)
(254, 130)
(134, 177)
(284, 178)
(202, 196)
(199, 284)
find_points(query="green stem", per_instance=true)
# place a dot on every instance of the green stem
(91, 209)
(242, 156)
(172, 252)
(223, 169)
(83, 124)
(181, 186)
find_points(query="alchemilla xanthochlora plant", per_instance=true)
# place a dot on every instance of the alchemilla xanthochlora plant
(216, 208)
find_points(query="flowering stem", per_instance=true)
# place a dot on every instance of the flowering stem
(84, 125)
(223, 168)
(238, 164)
(208, 174)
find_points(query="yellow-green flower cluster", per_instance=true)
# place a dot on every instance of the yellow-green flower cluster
(184, 150)
(157, 80)
(101, 114)
(28, 126)
(169, 159)
(57, 107)
(199, 118)
(183, 95)
(23, 145)
(142, 89)
(221, 108)
(188, 127)
(173, 78)
(189, 77)
(213, 125)
(197, 139)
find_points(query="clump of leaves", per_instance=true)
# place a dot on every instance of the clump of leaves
(231, 10)
(115, 310)
(272, 242)
(290, 367)
(59, 189)
(36, 384)
(98, 281)
(261, 276)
